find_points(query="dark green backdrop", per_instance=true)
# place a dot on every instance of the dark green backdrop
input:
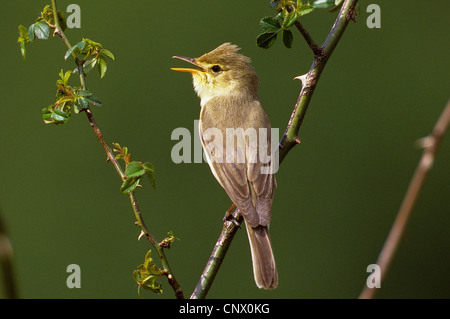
(338, 193)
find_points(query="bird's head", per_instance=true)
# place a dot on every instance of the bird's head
(222, 72)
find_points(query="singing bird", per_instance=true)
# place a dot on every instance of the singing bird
(228, 89)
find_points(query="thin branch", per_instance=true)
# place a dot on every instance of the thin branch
(430, 145)
(7, 262)
(309, 80)
(217, 256)
(167, 271)
(108, 151)
(58, 29)
(110, 155)
(309, 40)
(289, 140)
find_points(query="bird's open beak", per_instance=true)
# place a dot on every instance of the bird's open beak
(190, 60)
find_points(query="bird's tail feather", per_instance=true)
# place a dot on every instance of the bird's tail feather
(264, 268)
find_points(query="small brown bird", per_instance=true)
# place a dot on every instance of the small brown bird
(231, 113)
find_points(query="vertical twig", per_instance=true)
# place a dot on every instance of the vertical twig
(430, 145)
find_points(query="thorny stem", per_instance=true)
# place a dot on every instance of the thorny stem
(139, 219)
(430, 145)
(309, 80)
(290, 137)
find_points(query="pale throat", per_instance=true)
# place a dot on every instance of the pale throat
(206, 89)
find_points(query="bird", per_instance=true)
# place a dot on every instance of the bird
(231, 111)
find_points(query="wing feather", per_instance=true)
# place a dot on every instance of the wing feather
(250, 191)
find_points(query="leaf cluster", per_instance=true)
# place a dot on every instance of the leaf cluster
(289, 12)
(40, 29)
(93, 55)
(68, 98)
(134, 170)
(147, 274)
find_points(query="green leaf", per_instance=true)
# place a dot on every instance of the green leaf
(266, 40)
(41, 30)
(270, 24)
(102, 66)
(290, 19)
(82, 104)
(148, 259)
(69, 52)
(92, 44)
(146, 274)
(23, 39)
(287, 38)
(77, 48)
(107, 53)
(122, 153)
(88, 65)
(134, 169)
(129, 185)
(64, 77)
(31, 32)
(23, 49)
(84, 93)
(149, 171)
(133, 172)
(86, 98)
(94, 101)
(60, 116)
(320, 4)
(47, 114)
(52, 115)
(23, 34)
(304, 9)
(46, 14)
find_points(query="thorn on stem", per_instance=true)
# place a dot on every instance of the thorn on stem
(302, 78)
(297, 140)
(425, 142)
(142, 234)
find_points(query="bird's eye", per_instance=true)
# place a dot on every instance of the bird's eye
(216, 68)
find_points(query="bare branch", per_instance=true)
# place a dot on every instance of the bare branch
(430, 145)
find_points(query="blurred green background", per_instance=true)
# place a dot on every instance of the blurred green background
(338, 193)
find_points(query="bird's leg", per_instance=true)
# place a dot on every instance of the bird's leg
(229, 215)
